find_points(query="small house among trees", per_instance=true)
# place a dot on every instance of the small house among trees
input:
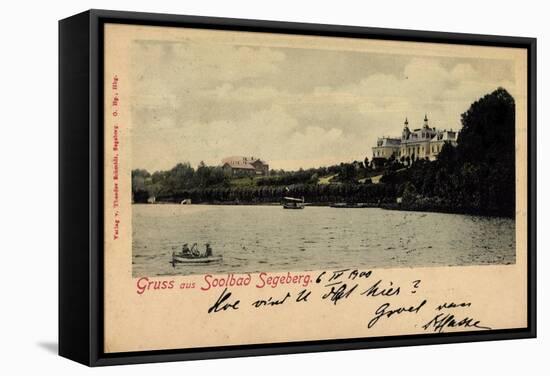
(243, 166)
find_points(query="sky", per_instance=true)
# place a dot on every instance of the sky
(292, 107)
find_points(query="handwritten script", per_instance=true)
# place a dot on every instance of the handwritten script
(341, 285)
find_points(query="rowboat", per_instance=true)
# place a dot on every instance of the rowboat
(293, 203)
(195, 260)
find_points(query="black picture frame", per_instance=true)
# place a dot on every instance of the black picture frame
(81, 183)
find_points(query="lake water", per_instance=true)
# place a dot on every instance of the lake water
(270, 239)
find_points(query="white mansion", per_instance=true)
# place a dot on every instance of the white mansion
(421, 143)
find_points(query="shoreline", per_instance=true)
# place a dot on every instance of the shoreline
(385, 206)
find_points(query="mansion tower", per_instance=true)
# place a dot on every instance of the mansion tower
(421, 143)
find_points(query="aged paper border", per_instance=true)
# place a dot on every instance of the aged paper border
(170, 319)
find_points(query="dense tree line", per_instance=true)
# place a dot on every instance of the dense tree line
(288, 178)
(313, 193)
(171, 182)
(167, 186)
(182, 179)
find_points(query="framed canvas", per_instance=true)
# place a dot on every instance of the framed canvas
(236, 187)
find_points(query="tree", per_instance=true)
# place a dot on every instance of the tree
(180, 177)
(348, 172)
(140, 181)
(487, 142)
(314, 178)
(488, 129)
(409, 194)
(447, 156)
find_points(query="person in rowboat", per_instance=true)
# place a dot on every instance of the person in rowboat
(185, 251)
(208, 251)
(195, 250)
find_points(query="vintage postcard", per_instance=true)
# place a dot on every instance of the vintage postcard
(267, 188)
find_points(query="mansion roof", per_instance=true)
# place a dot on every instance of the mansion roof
(424, 134)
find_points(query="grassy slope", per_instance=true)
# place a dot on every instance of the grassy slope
(323, 180)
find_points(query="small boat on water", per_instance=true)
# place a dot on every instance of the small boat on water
(195, 260)
(192, 256)
(293, 203)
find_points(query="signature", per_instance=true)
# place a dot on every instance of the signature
(447, 320)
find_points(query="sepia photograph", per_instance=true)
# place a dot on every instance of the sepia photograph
(264, 157)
